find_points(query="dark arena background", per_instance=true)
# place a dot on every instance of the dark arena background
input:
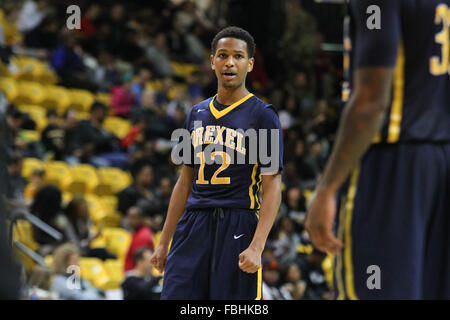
(90, 92)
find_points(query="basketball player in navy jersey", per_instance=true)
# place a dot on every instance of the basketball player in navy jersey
(390, 165)
(218, 220)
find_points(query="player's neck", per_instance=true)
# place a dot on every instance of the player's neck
(228, 96)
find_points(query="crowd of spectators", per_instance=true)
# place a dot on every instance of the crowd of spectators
(120, 48)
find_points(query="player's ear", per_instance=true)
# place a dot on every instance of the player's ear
(251, 61)
(213, 67)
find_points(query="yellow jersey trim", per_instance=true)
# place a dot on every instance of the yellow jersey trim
(339, 258)
(250, 189)
(397, 101)
(219, 114)
(349, 282)
(259, 288)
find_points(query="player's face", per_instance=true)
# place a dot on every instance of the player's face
(231, 62)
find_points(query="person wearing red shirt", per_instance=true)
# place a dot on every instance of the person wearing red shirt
(142, 235)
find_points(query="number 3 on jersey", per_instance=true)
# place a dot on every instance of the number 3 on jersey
(214, 180)
(440, 66)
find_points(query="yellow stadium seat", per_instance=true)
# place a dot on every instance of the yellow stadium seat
(59, 174)
(116, 179)
(104, 98)
(112, 218)
(96, 211)
(308, 194)
(154, 85)
(81, 100)
(92, 269)
(30, 93)
(29, 164)
(114, 269)
(66, 197)
(23, 232)
(57, 98)
(83, 115)
(30, 135)
(117, 241)
(120, 127)
(10, 88)
(49, 260)
(37, 113)
(31, 69)
(85, 179)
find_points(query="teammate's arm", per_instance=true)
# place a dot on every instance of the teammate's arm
(362, 118)
(177, 205)
(375, 54)
(250, 259)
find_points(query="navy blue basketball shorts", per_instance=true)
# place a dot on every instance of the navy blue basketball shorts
(394, 220)
(204, 255)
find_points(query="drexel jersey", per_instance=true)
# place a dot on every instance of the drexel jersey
(414, 38)
(230, 175)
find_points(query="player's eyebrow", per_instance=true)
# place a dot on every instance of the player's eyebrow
(226, 50)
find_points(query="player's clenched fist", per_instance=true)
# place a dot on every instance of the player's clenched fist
(250, 260)
(159, 257)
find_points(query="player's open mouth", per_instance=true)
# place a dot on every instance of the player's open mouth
(228, 75)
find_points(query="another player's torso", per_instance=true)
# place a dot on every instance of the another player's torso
(420, 106)
(225, 183)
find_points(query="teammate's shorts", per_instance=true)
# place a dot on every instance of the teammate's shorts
(394, 219)
(204, 256)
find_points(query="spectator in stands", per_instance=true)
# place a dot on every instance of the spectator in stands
(158, 53)
(68, 63)
(35, 184)
(152, 114)
(52, 137)
(294, 284)
(72, 147)
(138, 86)
(16, 183)
(31, 16)
(296, 206)
(311, 268)
(122, 99)
(14, 121)
(79, 289)
(39, 284)
(142, 235)
(140, 191)
(78, 230)
(308, 169)
(99, 146)
(47, 207)
(88, 21)
(139, 283)
(271, 284)
(286, 245)
(106, 74)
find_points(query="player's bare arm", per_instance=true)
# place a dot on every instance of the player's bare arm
(250, 259)
(177, 205)
(362, 118)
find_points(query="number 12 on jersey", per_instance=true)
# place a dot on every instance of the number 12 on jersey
(214, 180)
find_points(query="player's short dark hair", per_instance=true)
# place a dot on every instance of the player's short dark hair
(139, 254)
(237, 33)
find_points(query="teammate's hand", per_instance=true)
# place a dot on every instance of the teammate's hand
(158, 259)
(320, 221)
(250, 260)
